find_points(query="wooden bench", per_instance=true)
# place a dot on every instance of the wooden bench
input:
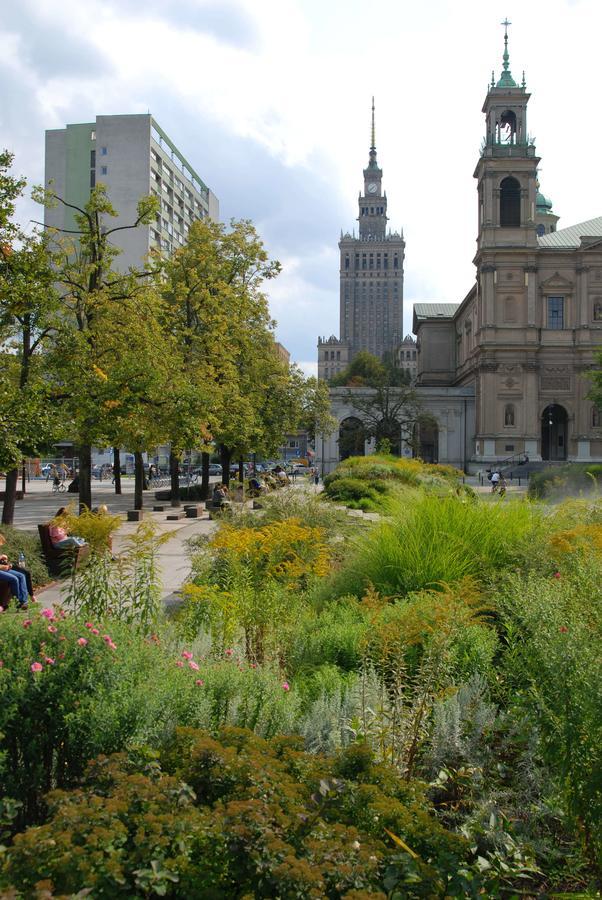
(5, 594)
(60, 561)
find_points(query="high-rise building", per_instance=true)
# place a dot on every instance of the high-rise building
(371, 280)
(133, 157)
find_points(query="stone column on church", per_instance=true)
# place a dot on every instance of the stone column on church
(582, 318)
(531, 424)
(488, 293)
(531, 283)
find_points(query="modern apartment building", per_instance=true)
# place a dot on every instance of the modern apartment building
(133, 157)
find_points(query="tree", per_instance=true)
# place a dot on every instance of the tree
(97, 304)
(367, 369)
(28, 308)
(387, 407)
(596, 376)
(220, 315)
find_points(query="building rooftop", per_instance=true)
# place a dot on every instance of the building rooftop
(570, 238)
(435, 310)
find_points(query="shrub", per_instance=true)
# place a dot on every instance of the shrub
(435, 540)
(28, 543)
(553, 629)
(236, 817)
(556, 481)
(70, 692)
(355, 492)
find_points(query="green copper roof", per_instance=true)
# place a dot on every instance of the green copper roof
(506, 79)
(435, 310)
(542, 204)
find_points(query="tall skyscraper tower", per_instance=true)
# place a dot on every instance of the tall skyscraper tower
(371, 280)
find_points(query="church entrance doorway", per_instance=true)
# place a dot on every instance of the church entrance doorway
(352, 438)
(554, 429)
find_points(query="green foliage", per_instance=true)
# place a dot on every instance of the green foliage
(553, 627)
(356, 493)
(237, 817)
(368, 370)
(562, 481)
(436, 540)
(28, 543)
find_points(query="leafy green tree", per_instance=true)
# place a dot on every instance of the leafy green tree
(28, 309)
(367, 369)
(98, 304)
(596, 375)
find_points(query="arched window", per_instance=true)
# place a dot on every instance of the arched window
(509, 202)
(596, 417)
(506, 128)
(509, 415)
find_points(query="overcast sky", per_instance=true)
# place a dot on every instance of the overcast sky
(270, 101)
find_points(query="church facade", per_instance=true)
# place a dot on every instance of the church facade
(526, 334)
(505, 370)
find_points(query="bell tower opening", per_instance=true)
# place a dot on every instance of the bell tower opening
(505, 128)
(509, 202)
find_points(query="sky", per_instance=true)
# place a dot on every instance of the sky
(270, 102)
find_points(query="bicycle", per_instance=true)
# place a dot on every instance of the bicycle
(59, 487)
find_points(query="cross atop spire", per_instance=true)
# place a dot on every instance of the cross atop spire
(506, 79)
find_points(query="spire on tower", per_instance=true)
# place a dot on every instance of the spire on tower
(506, 79)
(372, 163)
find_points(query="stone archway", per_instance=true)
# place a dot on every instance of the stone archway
(554, 432)
(352, 438)
(426, 442)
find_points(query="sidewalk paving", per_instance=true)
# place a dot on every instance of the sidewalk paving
(40, 504)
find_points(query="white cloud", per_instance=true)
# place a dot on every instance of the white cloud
(294, 87)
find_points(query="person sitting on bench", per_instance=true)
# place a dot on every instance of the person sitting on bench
(60, 537)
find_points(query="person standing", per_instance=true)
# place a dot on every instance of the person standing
(495, 478)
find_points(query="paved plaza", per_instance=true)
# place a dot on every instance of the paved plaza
(40, 504)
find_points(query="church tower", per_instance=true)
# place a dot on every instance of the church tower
(371, 271)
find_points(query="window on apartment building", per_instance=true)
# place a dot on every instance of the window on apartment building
(363, 260)
(92, 135)
(103, 151)
(92, 178)
(103, 170)
(556, 312)
(92, 159)
(338, 354)
(346, 260)
(596, 417)
(395, 262)
(386, 261)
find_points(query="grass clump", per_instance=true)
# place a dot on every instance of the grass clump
(437, 540)
(558, 481)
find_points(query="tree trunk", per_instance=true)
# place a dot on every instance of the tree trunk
(85, 476)
(117, 469)
(138, 480)
(241, 470)
(174, 471)
(23, 479)
(204, 476)
(224, 458)
(10, 497)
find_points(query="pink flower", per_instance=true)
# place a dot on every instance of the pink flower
(95, 631)
(563, 629)
(52, 629)
(286, 686)
(48, 613)
(557, 575)
(253, 665)
(229, 651)
(112, 646)
(82, 642)
(88, 625)
(199, 682)
(179, 663)
(187, 655)
(1, 664)
(26, 623)
(49, 660)
(106, 638)
(193, 665)
(36, 667)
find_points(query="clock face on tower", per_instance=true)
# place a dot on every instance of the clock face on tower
(372, 187)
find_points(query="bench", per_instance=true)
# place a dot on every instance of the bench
(194, 511)
(60, 562)
(5, 594)
(175, 515)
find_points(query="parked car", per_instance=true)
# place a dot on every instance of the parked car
(215, 469)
